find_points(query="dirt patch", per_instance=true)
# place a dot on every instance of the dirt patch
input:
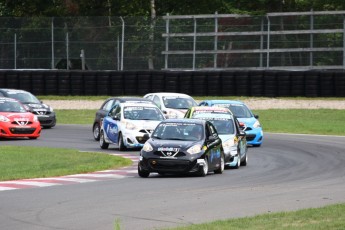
(252, 103)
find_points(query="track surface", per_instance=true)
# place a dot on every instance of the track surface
(288, 172)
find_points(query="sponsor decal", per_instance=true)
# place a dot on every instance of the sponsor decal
(168, 149)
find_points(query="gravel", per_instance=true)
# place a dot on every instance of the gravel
(267, 103)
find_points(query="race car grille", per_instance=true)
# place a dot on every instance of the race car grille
(167, 153)
(22, 130)
(45, 122)
(250, 137)
(21, 122)
(141, 140)
(170, 165)
(41, 112)
(148, 131)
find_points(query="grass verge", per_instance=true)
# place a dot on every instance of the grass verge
(19, 162)
(328, 217)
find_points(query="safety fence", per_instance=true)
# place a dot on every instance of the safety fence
(196, 83)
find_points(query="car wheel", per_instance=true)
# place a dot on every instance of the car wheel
(245, 161)
(222, 165)
(95, 131)
(121, 144)
(142, 172)
(102, 143)
(204, 169)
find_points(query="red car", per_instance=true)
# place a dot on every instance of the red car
(16, 121)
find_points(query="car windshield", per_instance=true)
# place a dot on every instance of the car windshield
(223, 122)
(11, 106)
(179, 131)
(201, 113)
(240, 111)
(142, 113)
(178, 102)
(23, 97)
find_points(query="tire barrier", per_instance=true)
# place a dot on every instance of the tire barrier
(258, 83)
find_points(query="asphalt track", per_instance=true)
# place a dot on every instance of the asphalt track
(288, 172)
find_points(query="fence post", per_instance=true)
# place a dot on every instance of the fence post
(123, 40)
(52, 28)
(215, 57)
(15, 51)
(167, 24)
(194, 42)
(268, 42)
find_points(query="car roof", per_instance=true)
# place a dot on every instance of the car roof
(168, 94)
(145, 104)
(6, 90)
(224, 102)
(208, 108)
(185, 120)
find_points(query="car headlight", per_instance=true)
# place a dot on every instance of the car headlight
(228, 143)
(35, 118)
(130, 125)
(257, 124)
(147, 147)
(4, 119)
(172, 114)
(194, 149)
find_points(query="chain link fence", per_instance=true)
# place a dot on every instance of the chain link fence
(306, 40)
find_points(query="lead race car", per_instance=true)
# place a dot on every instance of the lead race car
(127, 123)
(182, 146)
(16, 121)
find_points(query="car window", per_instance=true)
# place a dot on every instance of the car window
(224, 126)
(157, 101)
(179, 131)
(178, 102)
(212, 130)
(142, 113)
(115, 111)
(108, 105)
(11, 106)
(240, 111)
(24, 97)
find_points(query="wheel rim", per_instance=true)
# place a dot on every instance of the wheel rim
(205, 168)
(96, 132)
(101, 139)
(239, 161)
(222, 163)
(120, 141)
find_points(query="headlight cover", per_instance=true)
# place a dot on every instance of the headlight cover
(172, 114)
(35, 118)
(130, 125)
(147, 147)
(194, 149)
(228, 143)
(257, 124)
(4, 119)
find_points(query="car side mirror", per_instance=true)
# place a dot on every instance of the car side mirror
(256, 116)
(242, 133)
(146, 136)
(116, 118)
(242, 125)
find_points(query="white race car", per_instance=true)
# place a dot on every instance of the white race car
(127, 123)
(173, 105)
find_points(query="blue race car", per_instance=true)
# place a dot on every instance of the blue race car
(244, 115)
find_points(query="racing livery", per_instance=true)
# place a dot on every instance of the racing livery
(126, 123)
(15, 121)
(250, 121)
(182, 146)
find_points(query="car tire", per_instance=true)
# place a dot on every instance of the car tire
(222, 165)
(121, 144)
(143, 173)
(102, 143)
(245, 161)
(257, 145)
(204, 169)
(95, 131)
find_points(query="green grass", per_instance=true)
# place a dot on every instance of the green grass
(19, 162)
(307, 121)
(329, 217)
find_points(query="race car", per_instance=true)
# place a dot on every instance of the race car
(233, 137)
(16, 121)
(126, 123)
(182, 146)
(173, 105)
(245, 116)
(44, 112)
(195, 110)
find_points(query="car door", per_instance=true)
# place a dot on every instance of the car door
(111, 123)
(215, 149)
(242, 140)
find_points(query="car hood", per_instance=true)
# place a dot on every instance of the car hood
(145, 124)
(226, 137)
(17, 117)
(248, 121)
(37, 106)
(182, 145)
